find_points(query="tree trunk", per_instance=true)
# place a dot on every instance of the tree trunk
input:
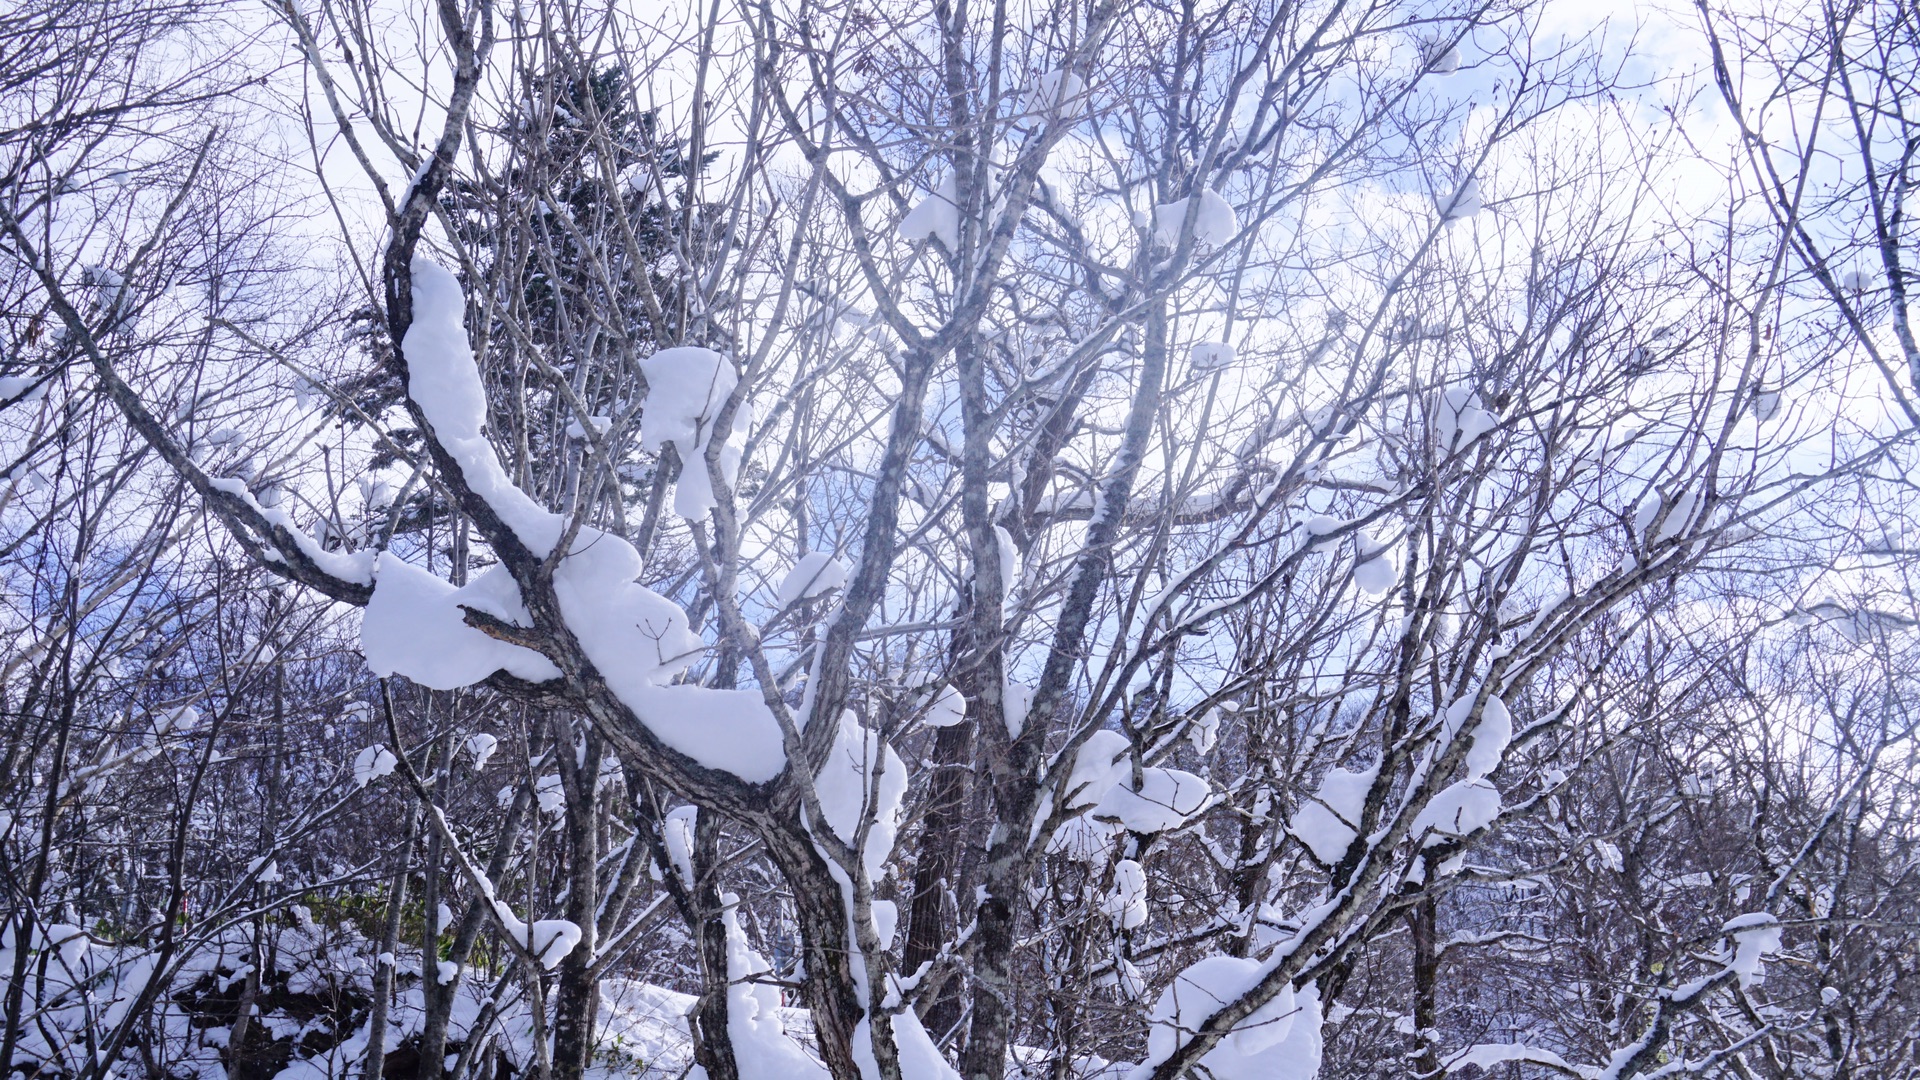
(577, 993)
(935, 873)
(383, 969)
(1426, 984)
(440, 998)
(825, 947)
(713, 1039)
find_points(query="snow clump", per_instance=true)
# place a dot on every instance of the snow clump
(936, 217)
(1213, 355)
(1752, 937)
(601, 425)
(1053, 90)
(1016, 700)
(1084, 840)
(1461, 202)
(1166, 799)
(371, 764)
(1204, 731)
(1279, 1041)
(70, 942)
(1324, 525)
(1439, 55)
(1376, 570)
(1127, 903)
(480, 748)
(1214, 222)
(1101, 762)
(1463, 808)
(1328, 822)
(761, 1044)
(861, 780)
(1680, 514)
(549, 940)
(686, 388)
(414, 626)
(947, 709)
(816, 574)
(1491, 736)
(636, 639)
(1460, 419)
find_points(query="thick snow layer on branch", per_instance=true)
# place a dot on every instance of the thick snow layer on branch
(372, 764)
(549, 940)
(816, 573)
(948, 708)
(354, 566)
(1084, 840)
(919, 1058)
(1213, 355)
(1491, 735)
(1214, 222)
(1323, 525)
(1127, 903)
(1376, 570)
(443, 381)
(414, 627)
(761, 1044)
(863, 779)
(730, 730)
(935, 217)
(1680, 515)
(1102, 761)
(1753, 937)
(676, 834)
(1166, 799)
(1488, 1055)
(1458, 810)
(1459, 419)
(1329, 821)
(1052, 90)
(686, 388)
(636, 639)
(1461, 202)
(1280, 1041)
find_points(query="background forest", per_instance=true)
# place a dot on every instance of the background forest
(783, 539)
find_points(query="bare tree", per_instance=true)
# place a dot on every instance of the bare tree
(1206, 536)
